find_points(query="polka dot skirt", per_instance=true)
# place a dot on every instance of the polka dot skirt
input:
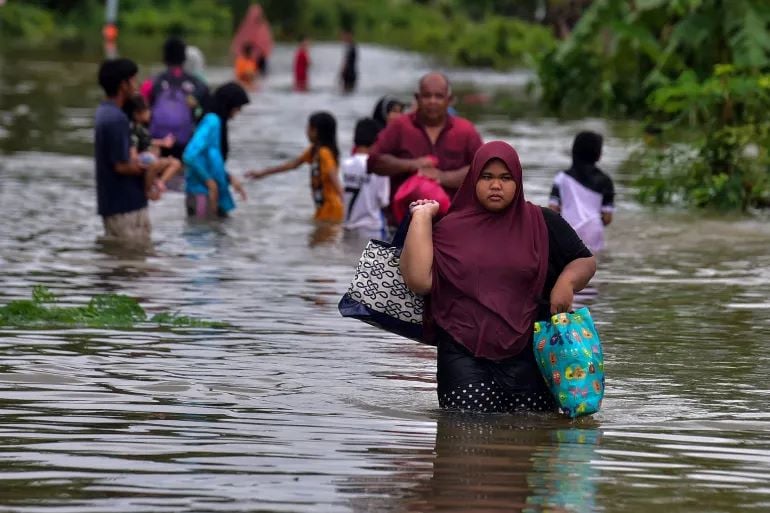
(488, 397)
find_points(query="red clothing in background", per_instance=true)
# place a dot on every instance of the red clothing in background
(406, 138)
(301, 64)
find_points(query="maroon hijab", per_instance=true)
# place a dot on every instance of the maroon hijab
(489, 268)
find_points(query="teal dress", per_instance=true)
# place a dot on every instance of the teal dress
(204, 161)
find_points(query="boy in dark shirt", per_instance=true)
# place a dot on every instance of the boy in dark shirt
(120, 180)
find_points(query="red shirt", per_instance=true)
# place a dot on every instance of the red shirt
(406, 138)
(301, 63)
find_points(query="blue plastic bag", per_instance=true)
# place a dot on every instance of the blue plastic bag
(569, 354)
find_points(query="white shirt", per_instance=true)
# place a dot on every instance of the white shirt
(366, 195)
(582, 208)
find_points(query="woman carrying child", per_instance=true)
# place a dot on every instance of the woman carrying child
(207, 179)
(323, 157)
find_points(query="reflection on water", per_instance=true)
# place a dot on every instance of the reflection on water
(509, 464)
(296, 409)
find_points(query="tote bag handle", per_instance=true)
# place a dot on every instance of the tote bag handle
(400, 236)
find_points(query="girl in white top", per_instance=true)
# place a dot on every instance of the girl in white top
(584, 194)
(366, 194)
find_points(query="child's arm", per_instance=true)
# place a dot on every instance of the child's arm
(132, 166)
(280, 168)
(166, 142)
(237, 186)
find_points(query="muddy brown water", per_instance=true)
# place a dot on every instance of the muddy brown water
(297, 409)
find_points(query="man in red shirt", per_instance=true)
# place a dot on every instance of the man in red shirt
(301, 65)
(428, 141)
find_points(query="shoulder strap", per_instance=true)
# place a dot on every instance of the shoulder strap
(403, 228)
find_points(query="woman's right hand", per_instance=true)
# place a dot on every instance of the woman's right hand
(429, 207)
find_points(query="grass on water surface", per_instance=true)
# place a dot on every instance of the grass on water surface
(102, 311)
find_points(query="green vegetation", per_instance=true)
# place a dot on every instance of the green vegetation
(37, 21)
(726, 165)
(205, 17)
(463, 32)
(103, 311)
(698, 69)
(697, 65)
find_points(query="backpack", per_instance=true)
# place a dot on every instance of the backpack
(171, 111)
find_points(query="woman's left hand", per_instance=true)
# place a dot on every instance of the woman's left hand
(562, 295)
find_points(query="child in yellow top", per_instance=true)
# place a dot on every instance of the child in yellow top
(322, 155)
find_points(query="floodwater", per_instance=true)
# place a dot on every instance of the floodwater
(297, 409)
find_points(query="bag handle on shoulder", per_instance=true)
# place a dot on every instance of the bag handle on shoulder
(403, 228)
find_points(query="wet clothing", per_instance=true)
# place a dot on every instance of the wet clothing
(514, 383)
(197, 205)
(325, 196)
(349, 73)
(406, 138)
(489, 267)
(492, 276)
(475, 384)
(365, 196)
(129, 226)
(203, 161)
(564, 246)
(115, 193)
(301, 65)
(584, 192)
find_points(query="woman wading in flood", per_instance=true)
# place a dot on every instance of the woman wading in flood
(491, 267)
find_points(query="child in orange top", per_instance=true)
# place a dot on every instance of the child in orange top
(246, 66)
(322, 155)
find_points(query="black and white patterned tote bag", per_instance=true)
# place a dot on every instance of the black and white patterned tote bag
(378, 294)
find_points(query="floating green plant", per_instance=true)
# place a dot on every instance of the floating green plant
(102, 311)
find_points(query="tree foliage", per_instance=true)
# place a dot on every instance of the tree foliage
(620, 51)
(701, 64)
(465, 32)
